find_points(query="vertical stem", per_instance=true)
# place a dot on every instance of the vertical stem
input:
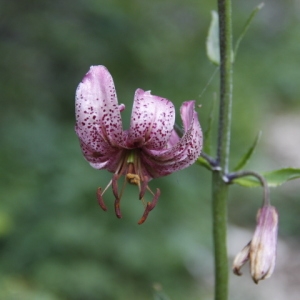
(220, 191)
(219, 187)
(225, 36)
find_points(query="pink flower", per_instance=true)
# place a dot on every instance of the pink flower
(150, 148)
(261, 250)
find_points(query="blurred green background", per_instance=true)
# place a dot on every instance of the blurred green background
(56, 243)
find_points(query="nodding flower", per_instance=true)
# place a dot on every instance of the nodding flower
(149, 149)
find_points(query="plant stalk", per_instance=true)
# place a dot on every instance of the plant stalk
(220, 192)
(219, 187)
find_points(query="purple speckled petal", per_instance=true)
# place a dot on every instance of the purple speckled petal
(187, 111)
(108, 158)
(152, 121)
(98, 118)
(183, 153)
(104, 144)
(173, 140)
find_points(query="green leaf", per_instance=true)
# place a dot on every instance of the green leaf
(201, 161)
(274, 178)
(246, 27)
(244, 160)
(212, 41)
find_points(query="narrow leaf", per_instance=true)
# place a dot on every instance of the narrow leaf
(201, 161)
(274, 178)
(212, 41)
(244, 160)
(246, 27)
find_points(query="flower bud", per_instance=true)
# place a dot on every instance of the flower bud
(261, 250)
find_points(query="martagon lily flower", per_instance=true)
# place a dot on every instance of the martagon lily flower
(149, 149)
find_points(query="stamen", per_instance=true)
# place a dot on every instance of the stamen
(99, 194)
(115, 185)
(100, 199)
(130, 168)
(144, 202)
(149, 207)
(143, 187)
(118, 198)
(117, 208)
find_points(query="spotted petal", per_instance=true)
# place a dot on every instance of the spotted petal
(108, 158)
(183, 153)
(152, 121)
(98, 119)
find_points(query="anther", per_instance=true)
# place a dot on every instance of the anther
(100, 199)
(115, 185)
(117, 208)
(118, 198)
(143, 187)
(149, 207)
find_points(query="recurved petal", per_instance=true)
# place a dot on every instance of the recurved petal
(106, 158)
(98, 118)
(152, 121)
(240, 259)
(184, 152)
(187, 111)
(173, 140)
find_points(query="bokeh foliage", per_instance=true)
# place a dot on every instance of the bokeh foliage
(56, 243)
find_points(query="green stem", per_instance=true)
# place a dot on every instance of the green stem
(225, 36)
(220, 191)
(219, 187)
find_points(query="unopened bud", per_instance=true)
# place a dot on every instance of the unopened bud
(261, 251)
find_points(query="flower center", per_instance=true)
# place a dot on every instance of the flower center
(130, 166)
